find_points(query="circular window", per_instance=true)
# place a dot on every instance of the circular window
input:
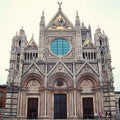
(60, 47)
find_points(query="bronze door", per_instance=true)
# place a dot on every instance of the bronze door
(32, 111)
(88, 112)
(60, 106)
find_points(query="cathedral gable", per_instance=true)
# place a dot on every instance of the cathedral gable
(60, 22)
(86, 67)
(50, 66)
(33, 68)
(60, 67)
(31, 45)
(88, 44)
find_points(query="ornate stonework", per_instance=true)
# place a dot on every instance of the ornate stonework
(69, 79)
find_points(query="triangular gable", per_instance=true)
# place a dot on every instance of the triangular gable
(60, 22)
(86, 67)
(33, 68)
(32, 44)
(60, 67)
(88, 43)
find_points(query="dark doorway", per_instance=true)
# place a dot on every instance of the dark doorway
(32, 111)
(88, 112)
(60, 106)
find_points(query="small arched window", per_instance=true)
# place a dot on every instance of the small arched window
(91, 55)
(25, 56)
(83, 55)
(94, 55)
(20, 43)
(100, 42)
(88, 55)
(36, 55)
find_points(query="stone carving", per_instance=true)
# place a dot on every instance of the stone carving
(60, 83)
(86, 83)
(33, 83)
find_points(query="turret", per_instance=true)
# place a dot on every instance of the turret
(19, 42)
(104, 57)
(98, 39)
(101, 42)
(89, 31)
(77, 21)
(41, 37)
(78, 38)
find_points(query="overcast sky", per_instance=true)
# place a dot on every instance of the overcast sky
(17, 13)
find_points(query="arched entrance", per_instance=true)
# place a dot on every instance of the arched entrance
(60, 83)
(29, 97)
(87, 83)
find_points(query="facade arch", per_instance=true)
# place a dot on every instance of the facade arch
(32, 80)
(60, 80)
(88, 80)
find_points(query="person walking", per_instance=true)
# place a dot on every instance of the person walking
(106, 115)
(100, 115)
(110, 115)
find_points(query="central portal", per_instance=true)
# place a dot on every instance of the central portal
(60, 106)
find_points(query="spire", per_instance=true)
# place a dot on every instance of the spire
(104, 35)
(77, 21)
(89, 27)
(98, 30)
(22, 31)
(32, 42)
(59, 3)
(42, 18)
(83, 26)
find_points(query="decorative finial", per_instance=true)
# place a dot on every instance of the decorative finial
(22, 31)
(98, 27)
(76, 13)
(43, 13)
(59, 3)
(89, 27)
(22, 28)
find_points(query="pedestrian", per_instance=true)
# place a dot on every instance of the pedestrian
(106, 115)
(32, 115)
(100, 115)
(110, 115)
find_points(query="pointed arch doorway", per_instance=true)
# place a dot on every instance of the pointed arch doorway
(60, 106)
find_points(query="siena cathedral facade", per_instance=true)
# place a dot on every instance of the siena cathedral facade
(67, 75)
